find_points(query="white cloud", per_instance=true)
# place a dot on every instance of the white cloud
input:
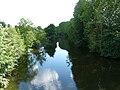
(48, 79)
(41, 12)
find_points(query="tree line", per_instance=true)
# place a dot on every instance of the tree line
(95, 25)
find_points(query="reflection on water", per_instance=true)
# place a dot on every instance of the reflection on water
(48, 72)
(48, 79)
(50, 48)
(92, 72)
(74, 69)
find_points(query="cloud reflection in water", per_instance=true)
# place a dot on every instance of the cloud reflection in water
(47, 79)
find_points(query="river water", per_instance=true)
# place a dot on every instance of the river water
(60, 69)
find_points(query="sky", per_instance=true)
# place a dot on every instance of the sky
(40, 12)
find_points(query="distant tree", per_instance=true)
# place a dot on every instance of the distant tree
(39, 27)
(26, 30)
(25, 22)
(50, 32)
(9, 25)
(3, 24)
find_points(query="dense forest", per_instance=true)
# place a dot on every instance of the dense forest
(95, 25)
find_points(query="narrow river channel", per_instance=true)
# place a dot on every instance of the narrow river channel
(73, 70)
(53, 73)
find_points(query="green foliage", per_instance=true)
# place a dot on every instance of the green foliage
(15, 42)
(30, 33)
(3, 24)
(110, 44)
(11, 48)
(65, 30)
(96, 24)
(50, 33)
(69, 31)
(103, 28)
(51, 39)
(26, 30)
(40, 35)
(110, 40)
(25, 22)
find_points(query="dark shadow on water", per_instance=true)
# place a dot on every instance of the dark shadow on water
(92, 72)
(50, 48)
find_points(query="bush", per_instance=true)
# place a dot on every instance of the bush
(11, 48)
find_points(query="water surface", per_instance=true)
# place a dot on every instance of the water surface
(61, 67)
(48, 73)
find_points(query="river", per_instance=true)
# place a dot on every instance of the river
(60, 69)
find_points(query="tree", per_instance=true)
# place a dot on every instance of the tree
(100, 20)
(50, 33)
(26, 29)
